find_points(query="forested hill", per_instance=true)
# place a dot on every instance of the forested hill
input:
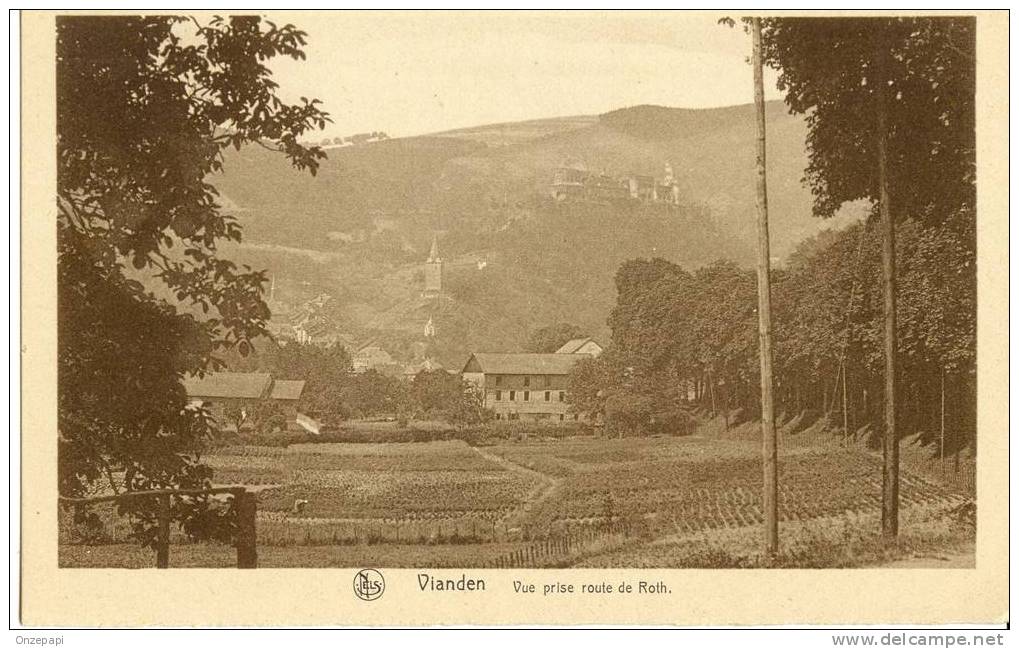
(449, 179)
(356, 228)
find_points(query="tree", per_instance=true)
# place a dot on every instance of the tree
(237, 414)
(267, 416)
(435, 391)
(629, 414)
(546, 340)
(671, 328)
(326, 373)
(374, 393)
(895, 95)
(590, 381)
(469, 407)
(144, 295)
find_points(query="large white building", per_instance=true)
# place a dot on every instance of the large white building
(529, 386)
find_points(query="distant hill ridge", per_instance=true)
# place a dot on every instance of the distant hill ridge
(457, 174)
(371, 211)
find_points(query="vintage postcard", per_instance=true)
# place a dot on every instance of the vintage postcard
(514, 318)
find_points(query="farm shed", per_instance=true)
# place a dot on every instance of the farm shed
(220, 390)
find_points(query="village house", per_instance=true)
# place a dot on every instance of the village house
(411, 370)
(371, 356)
(581, 346)
(219, 391)
(304, 324)
(524, 386)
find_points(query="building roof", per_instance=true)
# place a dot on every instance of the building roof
(228, 385)
(568, 175)
(572, 346)
(371, 352)
(308, 424)
(368, 344)
(522, 363)
(286, 390)
(428, 365)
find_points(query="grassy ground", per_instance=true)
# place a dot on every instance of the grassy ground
(636, 502)
(208, 555)
(824, 542)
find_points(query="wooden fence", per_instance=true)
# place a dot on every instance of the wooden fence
(245, 506)
(557, 549)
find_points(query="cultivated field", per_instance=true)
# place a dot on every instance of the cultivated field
(670, 501)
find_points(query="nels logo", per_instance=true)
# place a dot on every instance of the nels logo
(369, 584)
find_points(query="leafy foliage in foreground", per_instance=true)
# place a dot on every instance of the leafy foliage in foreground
(143, 119)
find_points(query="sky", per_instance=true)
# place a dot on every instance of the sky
(410, 73)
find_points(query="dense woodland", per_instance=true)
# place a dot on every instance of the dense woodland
(860, 321)
(685, 340)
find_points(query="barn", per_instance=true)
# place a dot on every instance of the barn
(219, 391)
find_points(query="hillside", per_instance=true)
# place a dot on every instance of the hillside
(516, 132)
(440, 181)
(359, 229)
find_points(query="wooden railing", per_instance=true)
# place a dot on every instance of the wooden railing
(553, 551)
(245, 506)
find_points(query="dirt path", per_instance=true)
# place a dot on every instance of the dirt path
(547, 486)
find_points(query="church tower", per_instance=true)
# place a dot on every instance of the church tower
(433, 271)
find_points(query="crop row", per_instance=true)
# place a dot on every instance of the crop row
(726, 493)
(400, 494)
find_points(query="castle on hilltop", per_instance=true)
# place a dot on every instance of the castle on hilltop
(576, 184)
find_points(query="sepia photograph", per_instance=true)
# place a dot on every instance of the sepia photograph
(550, 342)
(434, 298)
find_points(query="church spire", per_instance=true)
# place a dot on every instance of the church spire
(433, 255)
(433, 271)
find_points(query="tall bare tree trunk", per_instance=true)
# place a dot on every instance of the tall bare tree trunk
(726, 407)
(942, 419)
(845, 408)
(890, 476)
(714, 406)
(770, 441)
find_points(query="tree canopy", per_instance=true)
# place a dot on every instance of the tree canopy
(679, 335)
(145, 108)
(546, 340)
(830, 70)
